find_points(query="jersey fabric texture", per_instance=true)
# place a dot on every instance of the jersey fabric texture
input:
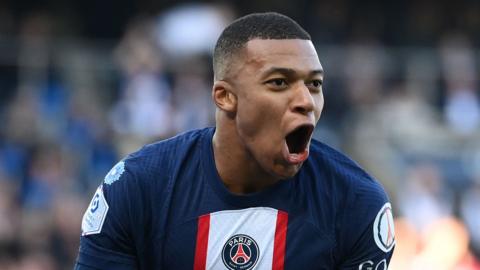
(165, 207)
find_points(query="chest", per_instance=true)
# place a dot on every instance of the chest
(252, 238)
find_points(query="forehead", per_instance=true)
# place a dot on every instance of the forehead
(297, 54)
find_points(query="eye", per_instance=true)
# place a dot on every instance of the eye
(315, 85)
(278, 83)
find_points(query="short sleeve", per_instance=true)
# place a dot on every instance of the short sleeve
(366, 234)
(107, 240)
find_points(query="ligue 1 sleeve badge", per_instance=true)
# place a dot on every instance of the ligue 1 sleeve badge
(96, 213)
(240, 252)
(383, 229)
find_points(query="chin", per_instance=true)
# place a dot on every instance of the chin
(287, 172)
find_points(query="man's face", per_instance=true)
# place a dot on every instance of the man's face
(278, 84)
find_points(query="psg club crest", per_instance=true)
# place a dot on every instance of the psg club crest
(240, 252)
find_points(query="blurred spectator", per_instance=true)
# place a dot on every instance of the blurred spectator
(143, 109)
(424, 199)
(192, 103)
(45, 175)
(364, 74)
(462, 104)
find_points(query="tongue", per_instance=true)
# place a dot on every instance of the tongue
(296, 158)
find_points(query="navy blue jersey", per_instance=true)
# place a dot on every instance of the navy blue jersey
(165, 207)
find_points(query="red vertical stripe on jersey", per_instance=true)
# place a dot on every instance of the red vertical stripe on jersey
(202, 242)
(279, 243)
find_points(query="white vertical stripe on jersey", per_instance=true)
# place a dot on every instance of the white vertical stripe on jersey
(259, 223)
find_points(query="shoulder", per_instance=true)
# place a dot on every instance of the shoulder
(148, 173)
(347, 175)
(157, 160)
(167, 151)
(143, 180)
(364, 218)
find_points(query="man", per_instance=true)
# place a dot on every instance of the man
(256, 192)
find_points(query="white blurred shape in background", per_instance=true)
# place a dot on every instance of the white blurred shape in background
(190, 29)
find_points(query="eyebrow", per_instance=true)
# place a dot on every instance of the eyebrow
(289, 72)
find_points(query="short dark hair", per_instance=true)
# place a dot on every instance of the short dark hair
(269, 25)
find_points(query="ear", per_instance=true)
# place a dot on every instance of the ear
(224, 97)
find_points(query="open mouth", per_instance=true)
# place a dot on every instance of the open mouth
(298, 139)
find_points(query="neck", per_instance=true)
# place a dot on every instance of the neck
(238, 169)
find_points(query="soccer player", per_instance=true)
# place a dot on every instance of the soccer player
(256, 191)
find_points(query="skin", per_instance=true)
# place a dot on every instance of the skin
(270, 88)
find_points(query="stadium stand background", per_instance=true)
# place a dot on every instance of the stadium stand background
(82, 83)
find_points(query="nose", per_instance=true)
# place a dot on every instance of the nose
(303, 101)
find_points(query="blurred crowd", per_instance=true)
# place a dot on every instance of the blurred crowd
(402, 98)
